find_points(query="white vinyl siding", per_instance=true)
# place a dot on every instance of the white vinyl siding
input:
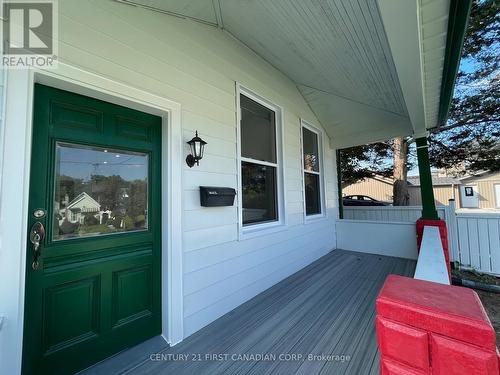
(2, 116)
(197, 66)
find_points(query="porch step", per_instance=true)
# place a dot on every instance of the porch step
(127, 359)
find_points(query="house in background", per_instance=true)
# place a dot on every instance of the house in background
(477, 191)
(445, 188)
(380, 188)
(377, 187)
(481, 190)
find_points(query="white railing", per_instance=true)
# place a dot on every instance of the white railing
(431, 263)
(478, 241)
(473, 236)
(378, 237)
(388, 213)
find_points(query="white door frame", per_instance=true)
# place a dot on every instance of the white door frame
(14, 191)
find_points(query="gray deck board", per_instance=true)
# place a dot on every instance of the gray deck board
(327, 308)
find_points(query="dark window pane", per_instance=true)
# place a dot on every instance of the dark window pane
(313, 199)
(258, 131)
(259, 193)
(99, 191)
(310, 142)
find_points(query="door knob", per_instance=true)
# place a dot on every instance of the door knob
(37, 234)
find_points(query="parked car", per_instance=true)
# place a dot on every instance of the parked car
(362, 200)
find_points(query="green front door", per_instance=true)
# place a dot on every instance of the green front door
(93, 285)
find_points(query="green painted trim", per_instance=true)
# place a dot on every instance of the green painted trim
(96, 263)
(457, 25)
(339, 186)
(429, 211)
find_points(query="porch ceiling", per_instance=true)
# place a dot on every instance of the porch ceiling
(370, 70)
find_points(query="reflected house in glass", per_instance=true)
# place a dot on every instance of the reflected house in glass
(80, 206)
(99, 190)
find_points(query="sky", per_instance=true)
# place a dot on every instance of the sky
(83, 162)
(466, 65)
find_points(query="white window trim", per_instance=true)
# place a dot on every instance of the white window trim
(254, 230)
(321, 173)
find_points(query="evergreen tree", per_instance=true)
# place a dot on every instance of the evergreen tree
(470, 140)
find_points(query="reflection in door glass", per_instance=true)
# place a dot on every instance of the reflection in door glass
(99, 191)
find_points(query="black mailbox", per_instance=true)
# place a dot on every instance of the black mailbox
(211, 196)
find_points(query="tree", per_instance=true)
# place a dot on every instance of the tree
(470, 140)
(400, 193)
(106, 189)
(357, 163)
(70, 186)
(137, 204)
(388, 159)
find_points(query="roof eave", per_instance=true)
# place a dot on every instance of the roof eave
(457, 26)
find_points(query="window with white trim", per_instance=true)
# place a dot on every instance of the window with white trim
(260, 169)
(312, 171)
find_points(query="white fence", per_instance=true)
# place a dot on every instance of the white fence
(478, 237)
(388, 213)
(474, 237)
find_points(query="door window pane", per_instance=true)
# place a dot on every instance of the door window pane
(259, 193)
(310, 144)
(313, 205)
(99, 191)
(258, 131)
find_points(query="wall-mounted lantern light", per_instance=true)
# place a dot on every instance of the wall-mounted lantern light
(197, 146)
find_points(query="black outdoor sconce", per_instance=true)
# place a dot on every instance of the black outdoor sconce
(197, 146)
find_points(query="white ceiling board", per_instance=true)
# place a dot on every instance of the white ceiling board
(364, 66)
(334, 46)
(417, 32)
(350, 123)
(434, 25)
(402, 29)
(202, 10)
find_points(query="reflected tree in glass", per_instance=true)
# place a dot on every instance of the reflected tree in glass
(99, 191)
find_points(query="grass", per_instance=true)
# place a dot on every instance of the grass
(491, 302)
(98, 228)
(474, 275)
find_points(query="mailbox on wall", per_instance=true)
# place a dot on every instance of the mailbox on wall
(211, 196)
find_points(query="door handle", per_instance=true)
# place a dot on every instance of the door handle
(37, 234)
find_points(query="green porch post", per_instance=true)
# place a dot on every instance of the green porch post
(424, 168)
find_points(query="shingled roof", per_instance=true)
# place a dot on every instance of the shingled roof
(436, 181)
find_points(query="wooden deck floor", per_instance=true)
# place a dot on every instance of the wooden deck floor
(325, 310)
